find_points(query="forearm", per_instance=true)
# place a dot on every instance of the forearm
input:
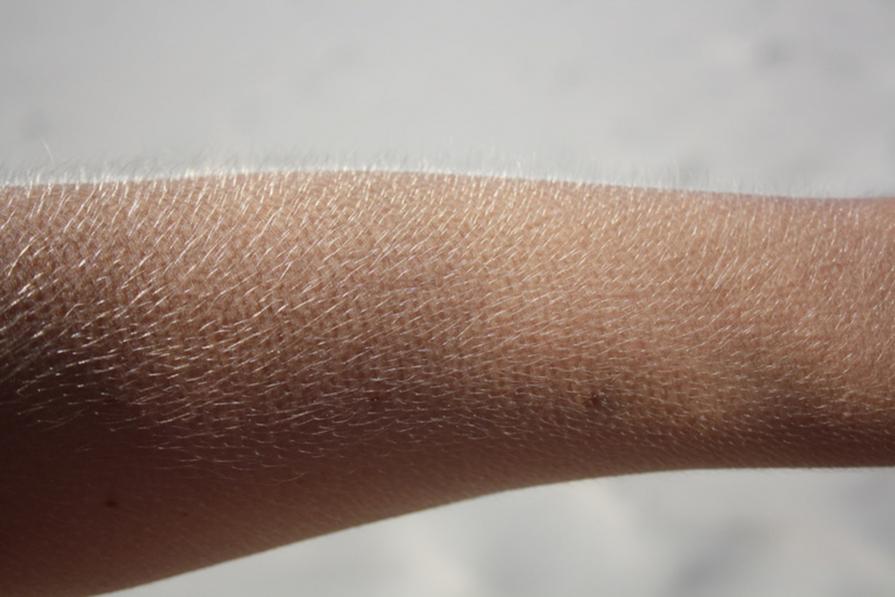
(230, 364)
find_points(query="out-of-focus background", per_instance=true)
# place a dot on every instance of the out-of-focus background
(792, 97)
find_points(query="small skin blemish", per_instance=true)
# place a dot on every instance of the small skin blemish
(603, 401)
(598, 401)
(111, 503)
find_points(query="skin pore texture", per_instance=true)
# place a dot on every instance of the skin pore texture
(193, 370)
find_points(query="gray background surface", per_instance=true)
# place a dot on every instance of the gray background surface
(788, 97)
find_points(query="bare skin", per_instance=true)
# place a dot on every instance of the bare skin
(194, 370)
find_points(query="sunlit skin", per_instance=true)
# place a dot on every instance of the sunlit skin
(193, 370)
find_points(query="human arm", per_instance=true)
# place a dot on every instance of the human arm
(197, 369)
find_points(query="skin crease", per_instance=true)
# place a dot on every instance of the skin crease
(193, 370)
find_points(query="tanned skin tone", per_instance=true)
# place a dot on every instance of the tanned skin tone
(194, 370)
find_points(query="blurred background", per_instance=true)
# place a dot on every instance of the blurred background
(792, 97)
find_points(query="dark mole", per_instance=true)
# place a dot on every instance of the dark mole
(111, 503)
(601, 400)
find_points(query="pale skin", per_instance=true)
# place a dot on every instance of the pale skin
(194, 370)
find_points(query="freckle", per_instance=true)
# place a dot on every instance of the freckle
(374, 401)
(111, 503)
(599, 401)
